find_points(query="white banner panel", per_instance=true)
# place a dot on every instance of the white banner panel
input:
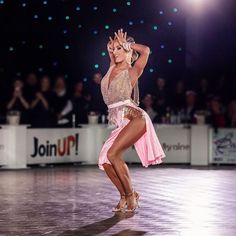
(223, 146)
(175, 141)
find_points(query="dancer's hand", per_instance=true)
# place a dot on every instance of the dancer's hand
(110, 45)
(110, 50)
(121, 36)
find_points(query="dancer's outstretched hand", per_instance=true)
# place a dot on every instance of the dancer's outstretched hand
(121, 36)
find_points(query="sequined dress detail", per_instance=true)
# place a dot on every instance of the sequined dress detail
(116, 90)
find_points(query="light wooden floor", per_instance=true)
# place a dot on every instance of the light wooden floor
(74, 200)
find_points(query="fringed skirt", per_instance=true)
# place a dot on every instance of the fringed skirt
(147, 147)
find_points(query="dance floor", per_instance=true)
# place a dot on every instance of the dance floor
(175, 200)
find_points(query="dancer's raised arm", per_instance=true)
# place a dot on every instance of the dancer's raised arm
(134, 48)
(141, 62)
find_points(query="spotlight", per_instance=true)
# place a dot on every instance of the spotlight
(196, 1)
(201, 4)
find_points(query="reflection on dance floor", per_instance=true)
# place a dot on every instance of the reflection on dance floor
(175, 200)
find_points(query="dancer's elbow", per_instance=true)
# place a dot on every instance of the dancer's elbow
(146, 50)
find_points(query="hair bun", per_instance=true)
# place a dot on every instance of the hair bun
(130, 39)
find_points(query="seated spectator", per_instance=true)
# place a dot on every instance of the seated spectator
(160, 95)
(159, 91)
(3, 92)
(146, 104)
(232, 114)
(217, 115)
(178, 100)
(17, 102)
(31, 86)
(42, 105)
(190, 107)
(81, 104)
(97, 103)
(61, 104)
(203, 93)
(221, 89)
(232, 93)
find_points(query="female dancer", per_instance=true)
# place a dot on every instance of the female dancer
(133, 124)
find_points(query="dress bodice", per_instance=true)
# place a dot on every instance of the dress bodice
(119, 89)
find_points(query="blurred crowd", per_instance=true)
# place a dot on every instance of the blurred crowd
(209, 103)
(43, 102)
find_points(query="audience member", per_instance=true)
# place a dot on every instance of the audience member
(221, 89)
(232, 89)
(17, 102)
(203, 92)
(146, 104)
(31, 86)
(232, 114)
(190, 107)
(2, 102)
(81, 104)
(41, 106)
(160, 96)
(61, 104)
(97, 103)
(217, 114)
(178, 99)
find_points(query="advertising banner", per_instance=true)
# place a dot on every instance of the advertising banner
(65, 145)
(53, 145)
(223, 146)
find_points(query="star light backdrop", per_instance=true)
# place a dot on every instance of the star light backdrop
(70, 37)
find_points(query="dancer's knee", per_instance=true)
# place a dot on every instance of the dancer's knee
(106, 165)
(112, 154)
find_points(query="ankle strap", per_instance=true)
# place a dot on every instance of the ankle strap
(130, 194)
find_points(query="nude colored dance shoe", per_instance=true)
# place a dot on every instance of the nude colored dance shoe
(121, 204)
(136, 195)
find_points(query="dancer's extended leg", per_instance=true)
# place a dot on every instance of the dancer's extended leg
(126, 138)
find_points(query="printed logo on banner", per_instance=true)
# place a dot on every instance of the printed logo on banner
(175, 147)
(225, 143)
(62, 147)
(224, 147)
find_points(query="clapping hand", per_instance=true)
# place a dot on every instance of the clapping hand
(17, 92)
(39, 95)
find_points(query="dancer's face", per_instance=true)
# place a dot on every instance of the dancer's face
(118, 52)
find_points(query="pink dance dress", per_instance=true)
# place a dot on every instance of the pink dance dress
(117, 97)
